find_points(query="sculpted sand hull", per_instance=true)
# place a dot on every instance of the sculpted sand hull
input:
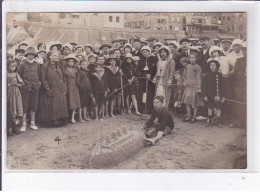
(116, 147)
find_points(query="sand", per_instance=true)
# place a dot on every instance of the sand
(191, 146)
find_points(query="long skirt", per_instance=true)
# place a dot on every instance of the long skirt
(15, 102)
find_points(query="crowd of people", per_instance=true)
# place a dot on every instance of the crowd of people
(54, 83)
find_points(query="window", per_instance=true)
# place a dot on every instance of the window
(192, 20)
(219, 18)
(233, 18)
(228, 18)
(117, 19)
(200, 21)
(178, 18)
(233, 28)
(110, 18)
(224, 18)
(170, 27)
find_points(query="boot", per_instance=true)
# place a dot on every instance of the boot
(219, 123)
(209, 122)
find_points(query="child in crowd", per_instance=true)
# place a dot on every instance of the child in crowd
(92, 60)
(118, 56)
(19, 54)
(129, 77)
(192, 79)
(113, 83)
(79, 50)
(101, 60)
(213, 91)
(99, 89)
(84, 85)
(29, 71)
(14, 98)
(70, 74)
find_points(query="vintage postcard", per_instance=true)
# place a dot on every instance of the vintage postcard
(125, 90)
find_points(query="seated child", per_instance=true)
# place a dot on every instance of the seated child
(165, 121)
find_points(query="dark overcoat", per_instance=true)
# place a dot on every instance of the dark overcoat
(53, 101)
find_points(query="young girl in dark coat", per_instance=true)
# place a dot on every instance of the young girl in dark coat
(99, 89)
(70, 73)
(113, 83)
(213, 91)
(84, 85)
(129, 77)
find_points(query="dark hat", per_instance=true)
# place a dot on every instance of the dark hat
(213, 60)
(104, 45)
(151, 39)
(136, 40)
(203, 38)
(111, 57)
(23, 43)
(226, 40)
(184, 40)
(73, 43)
(30, 50)
(19, 51)
(160, 98)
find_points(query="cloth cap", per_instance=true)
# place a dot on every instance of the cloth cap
(160, 98)
(104, 45)
(184, 40)
(89, 45)
(176, 44)
(30, 50)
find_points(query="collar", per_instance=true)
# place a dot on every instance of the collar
(160, 109)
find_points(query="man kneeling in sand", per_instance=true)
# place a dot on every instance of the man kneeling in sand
(165, 125)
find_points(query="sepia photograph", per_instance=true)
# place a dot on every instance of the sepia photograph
(126, 90)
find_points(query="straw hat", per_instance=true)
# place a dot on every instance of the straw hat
(146, 48)
(89, 45)
(174, 43)
(129, 55)
(79, 46)
(68, 45)
(158, 44)
(165, 48)
(54, 43)
(237, 42)
(129, 45)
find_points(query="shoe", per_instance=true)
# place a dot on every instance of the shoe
(33, 126)
(23, 128)
(73, 121)
(186, 119)
(231, 125)
(82, 121)
(87, 119)
(193, 120)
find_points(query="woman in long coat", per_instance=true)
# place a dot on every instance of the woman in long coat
(53, 109)
(239, 112)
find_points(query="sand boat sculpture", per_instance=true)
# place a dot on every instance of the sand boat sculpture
(116, 147)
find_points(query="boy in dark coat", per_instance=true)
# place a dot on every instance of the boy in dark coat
(84, 85)
(113, 83)
(19, 53)
(213, 91)
(99, 89)
(29, 71)
(165, 122)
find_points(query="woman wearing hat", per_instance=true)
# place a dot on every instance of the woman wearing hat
(156, 48)
(54, 46)
(29, 71)
(236, 53)
(129, 77)
(238, 115)
(53, 101)
(127, 48)
(146, 69)
(88, 49)
(70, 74)
(212, 89)
(165, 75)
